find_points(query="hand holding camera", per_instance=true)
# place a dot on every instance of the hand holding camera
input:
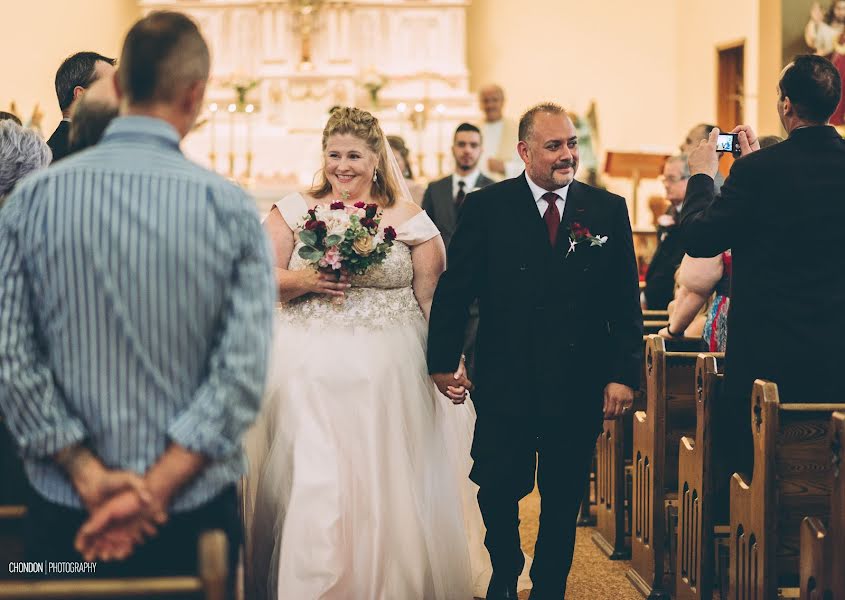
(705, 159)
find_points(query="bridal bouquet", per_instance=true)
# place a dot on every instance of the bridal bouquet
(340, 237)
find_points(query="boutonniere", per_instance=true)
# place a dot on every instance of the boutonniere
(578, 234)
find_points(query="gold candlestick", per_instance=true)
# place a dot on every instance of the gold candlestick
(420, 159)
(248, 172)
(231, 108)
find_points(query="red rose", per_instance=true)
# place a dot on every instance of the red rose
(312, 213)
(315, 226)
(579, 231)
(336, 205)
(372, 209)
(389, 234)
(360, 204)
(368, 222)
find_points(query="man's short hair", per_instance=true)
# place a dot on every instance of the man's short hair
(77, 70)
(163, 54)
(769, 140)
(10, 117)
(526, 122)
(682, 160)
(467, 127)
(813, 86)
(706, 128)
(22, 151)
(90, 119)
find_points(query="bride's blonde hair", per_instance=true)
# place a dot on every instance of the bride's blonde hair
(348, 120)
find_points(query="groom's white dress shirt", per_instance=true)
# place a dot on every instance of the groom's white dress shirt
(542, 203)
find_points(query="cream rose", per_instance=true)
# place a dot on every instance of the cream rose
(363, 245)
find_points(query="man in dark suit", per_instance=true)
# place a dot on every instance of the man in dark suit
(443, 200)
(781, 212)
(660, 278)
(75, 75)
(551, 262)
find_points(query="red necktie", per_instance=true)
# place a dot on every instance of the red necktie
(552, 216)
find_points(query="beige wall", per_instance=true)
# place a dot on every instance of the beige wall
(573, 51)
(39, 34)
(706, 27)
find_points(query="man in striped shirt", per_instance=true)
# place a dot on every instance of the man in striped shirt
(136, 297)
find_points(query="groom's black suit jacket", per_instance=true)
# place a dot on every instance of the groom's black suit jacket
(782, 213)
(554, 329)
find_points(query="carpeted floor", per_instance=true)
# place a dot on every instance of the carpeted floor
(593, 576)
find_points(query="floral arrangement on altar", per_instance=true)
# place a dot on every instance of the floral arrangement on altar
(341, 237)
(373, 81)
(242, 86)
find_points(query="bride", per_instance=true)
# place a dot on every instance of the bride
(359, 466)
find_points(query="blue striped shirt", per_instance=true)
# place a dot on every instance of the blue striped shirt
(136, 296)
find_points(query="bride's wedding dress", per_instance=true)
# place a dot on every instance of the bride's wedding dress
(359, 466)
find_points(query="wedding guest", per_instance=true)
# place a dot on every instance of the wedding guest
(660, 277)
(443, 200)
(695, 136)
(788, 286)
(134, 328)
(22, 151)
(7, 116)
(75, 75)
(702, 282)
(703, 293)
(92, 114)
(403, 159)
(500, 158)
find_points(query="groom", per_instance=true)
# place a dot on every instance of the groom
(551, 262)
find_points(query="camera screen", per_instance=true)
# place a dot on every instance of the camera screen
(725, 142)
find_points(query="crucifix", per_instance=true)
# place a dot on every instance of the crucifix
(305, 16)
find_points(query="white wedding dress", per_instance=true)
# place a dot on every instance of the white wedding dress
(358, 465)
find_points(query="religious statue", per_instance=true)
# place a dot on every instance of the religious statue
(825, 33)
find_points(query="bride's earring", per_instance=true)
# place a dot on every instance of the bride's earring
(375, 175)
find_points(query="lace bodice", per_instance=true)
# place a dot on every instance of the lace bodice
(381, 296)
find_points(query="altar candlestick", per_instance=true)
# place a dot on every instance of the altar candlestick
(419, 107)
(250, 109)
(231, 108)
(213, 132)
(401, 108)
(440, 110)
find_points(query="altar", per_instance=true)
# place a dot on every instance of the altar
(278, 66)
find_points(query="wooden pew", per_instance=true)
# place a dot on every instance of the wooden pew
(694, 562)
(669, 415)
(11, 536)
(822, 568)
(792, 471)
(650, 327)
(210, 583)
(613, 469)
(655, 315)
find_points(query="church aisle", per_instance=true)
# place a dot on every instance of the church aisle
(593, 576)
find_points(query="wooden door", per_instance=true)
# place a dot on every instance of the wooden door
(730, 97)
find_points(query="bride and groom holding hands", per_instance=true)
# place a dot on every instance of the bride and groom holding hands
(370, 480)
